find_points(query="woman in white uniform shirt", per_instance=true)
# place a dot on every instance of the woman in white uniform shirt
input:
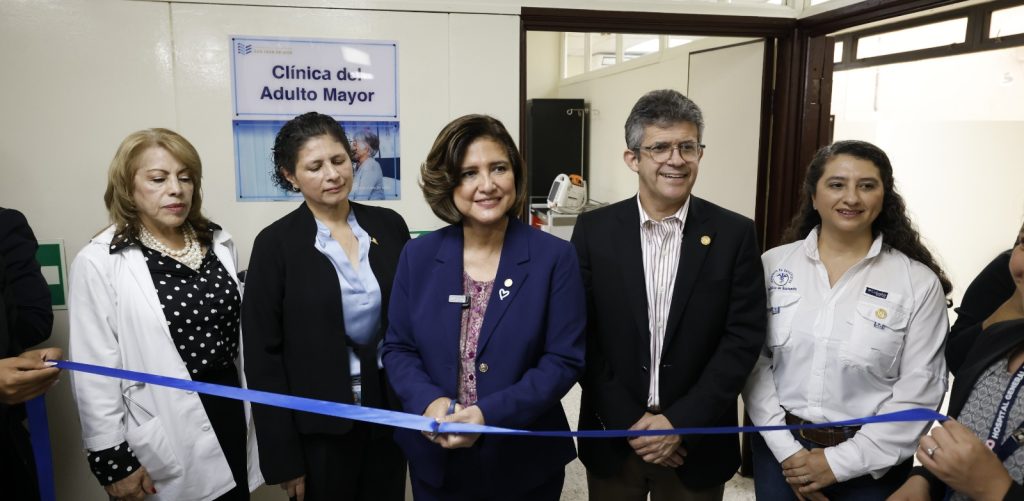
(857, 324)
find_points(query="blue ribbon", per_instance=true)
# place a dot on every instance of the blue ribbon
(41, 440)
(425, 424)
(39, 430)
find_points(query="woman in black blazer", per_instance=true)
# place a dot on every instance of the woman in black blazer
(313, 315)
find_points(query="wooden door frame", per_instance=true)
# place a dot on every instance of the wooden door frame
(796, 88)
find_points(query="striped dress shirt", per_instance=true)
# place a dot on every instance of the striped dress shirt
(661, 243)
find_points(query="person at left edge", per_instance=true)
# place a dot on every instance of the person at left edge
(26, 318)
(314, 313)
(487, 318)
(156, 292)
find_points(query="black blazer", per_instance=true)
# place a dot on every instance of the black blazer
(716, 327)
(294, 335)
(29, 315)
(986, 293)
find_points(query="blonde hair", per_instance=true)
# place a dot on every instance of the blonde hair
(120, 195)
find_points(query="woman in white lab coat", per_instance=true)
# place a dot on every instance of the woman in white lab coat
(157, 292)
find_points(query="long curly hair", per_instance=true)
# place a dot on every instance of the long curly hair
(892, 220)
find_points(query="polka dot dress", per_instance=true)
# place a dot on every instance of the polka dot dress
(113, 464)
(201, 307)
(202, 312)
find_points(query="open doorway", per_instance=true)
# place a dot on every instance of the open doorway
(605, 73)
(596, 77)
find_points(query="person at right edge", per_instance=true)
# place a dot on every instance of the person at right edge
(675, 317)
(977, 454)
(987, 300)
(856, 326)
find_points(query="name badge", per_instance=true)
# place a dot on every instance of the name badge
(458, 299)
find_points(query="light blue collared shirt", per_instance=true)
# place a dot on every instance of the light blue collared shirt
(360, 292)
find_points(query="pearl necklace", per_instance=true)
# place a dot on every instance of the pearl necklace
(191, 255)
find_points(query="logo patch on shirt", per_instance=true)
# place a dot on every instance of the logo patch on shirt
(877, 293)
(781, 277)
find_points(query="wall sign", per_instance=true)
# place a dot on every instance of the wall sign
(354, 81)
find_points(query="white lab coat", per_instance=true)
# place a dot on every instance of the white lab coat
(117, 321)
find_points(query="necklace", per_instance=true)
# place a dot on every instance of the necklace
(190, 255)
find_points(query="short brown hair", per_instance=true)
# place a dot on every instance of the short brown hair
(120, 195)
(441, 173)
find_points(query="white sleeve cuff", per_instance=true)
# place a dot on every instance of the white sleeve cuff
(782, 444)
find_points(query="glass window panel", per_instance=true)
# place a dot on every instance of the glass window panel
(837, 55)
(602, 50)
(573, 54)
(676, 41)
(1007, 22)
(920, 37)
(634, 46)
(763, 2)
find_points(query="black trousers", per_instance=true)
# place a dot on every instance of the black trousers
(17, 466)
(363, 464)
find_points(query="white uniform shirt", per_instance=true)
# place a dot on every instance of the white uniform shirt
(661, 243)
(871, 344)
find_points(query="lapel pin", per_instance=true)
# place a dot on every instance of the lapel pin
(374, 240)
(705, 240)
(502, 294)
(508, 282)
(881, 313)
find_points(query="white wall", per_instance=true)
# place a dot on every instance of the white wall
(543, 70)
(952, 128)
(726, 84)
(79, 75)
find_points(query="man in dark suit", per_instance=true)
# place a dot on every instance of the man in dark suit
(676, 317)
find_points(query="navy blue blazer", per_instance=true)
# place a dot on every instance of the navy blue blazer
(530, 352)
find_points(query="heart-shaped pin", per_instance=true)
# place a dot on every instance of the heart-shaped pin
(503, 293)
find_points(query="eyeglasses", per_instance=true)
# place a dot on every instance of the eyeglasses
(662, 152)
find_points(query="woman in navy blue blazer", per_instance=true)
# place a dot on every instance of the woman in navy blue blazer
(485, 326)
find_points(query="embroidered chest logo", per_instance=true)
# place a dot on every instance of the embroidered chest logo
(782, 277)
